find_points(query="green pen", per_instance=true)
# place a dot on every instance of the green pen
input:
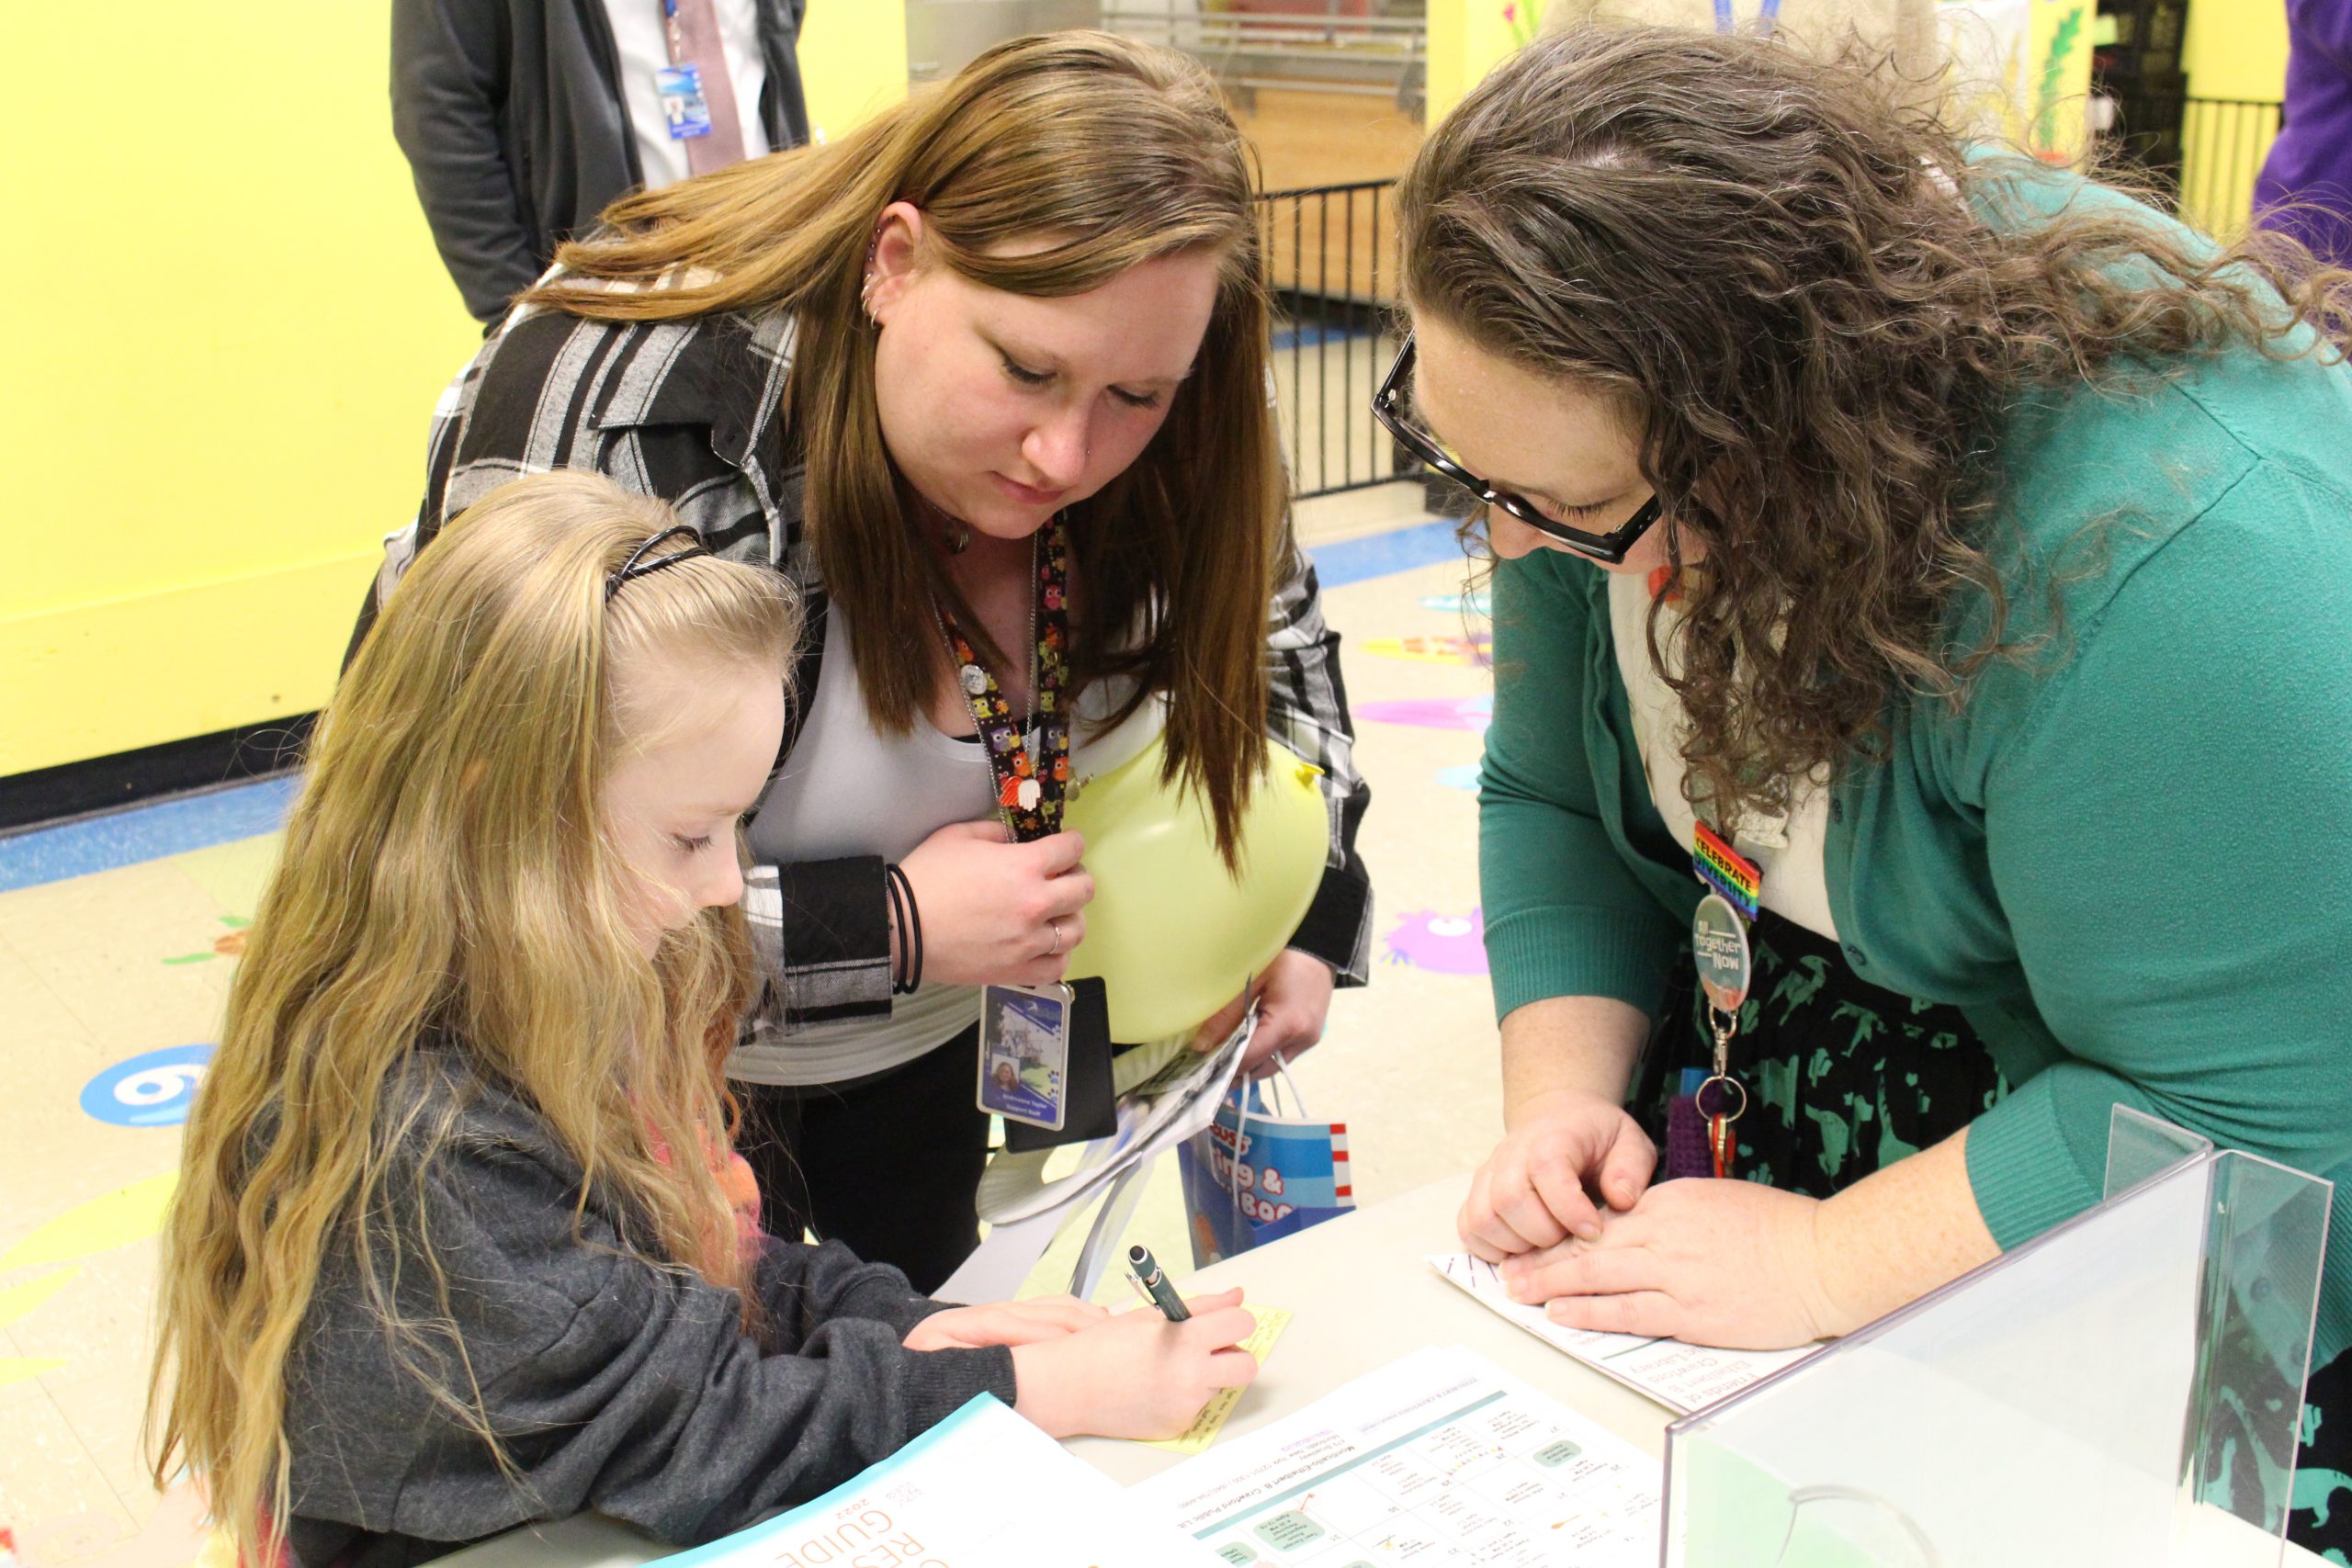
(1152, 1280)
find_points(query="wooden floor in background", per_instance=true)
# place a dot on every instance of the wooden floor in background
(1320, 139)
(1336, 247)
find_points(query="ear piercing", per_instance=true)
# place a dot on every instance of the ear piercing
(865, 290)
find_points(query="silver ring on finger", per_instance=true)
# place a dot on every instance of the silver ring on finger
(1056, 928)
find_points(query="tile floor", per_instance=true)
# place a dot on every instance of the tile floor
(112, 963)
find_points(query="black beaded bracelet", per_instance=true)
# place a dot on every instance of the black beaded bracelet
(909, 919)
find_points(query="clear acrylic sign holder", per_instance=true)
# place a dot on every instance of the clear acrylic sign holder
(2124, 1388)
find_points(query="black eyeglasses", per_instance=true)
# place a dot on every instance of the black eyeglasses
(1387, 408)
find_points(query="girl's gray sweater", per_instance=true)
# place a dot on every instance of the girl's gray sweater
(615, 1381)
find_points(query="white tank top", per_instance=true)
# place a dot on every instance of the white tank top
(846, 790)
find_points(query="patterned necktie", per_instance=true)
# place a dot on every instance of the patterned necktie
(694, 38)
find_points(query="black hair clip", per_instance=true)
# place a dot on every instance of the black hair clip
(638, 566)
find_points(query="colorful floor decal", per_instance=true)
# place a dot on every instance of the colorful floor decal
(1382, 554)
(89, 1539)
(1474, 650)
(19, 1301)
(1463, 777)
(116, 1219)
(1430, 713)
(1446, 944)
(1480, 602)
(174, 1535)
(228, 945)
(153, 1088)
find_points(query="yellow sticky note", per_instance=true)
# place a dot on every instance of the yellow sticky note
(1271, 1321)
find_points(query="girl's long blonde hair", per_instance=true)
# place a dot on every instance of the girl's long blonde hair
(1114, 153)
(446, 876)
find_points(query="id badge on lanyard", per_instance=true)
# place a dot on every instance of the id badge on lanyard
(1025, 1053)
(684, 108)
(1025, 1030)
(1726, 968)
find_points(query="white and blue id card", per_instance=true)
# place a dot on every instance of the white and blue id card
(683, 107)
(1025, 1053)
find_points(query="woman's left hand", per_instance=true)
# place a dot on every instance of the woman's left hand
(1004, 1322)
(1293, 999)
(1726, 1263)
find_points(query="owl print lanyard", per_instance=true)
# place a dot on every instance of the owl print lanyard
(1029, 789)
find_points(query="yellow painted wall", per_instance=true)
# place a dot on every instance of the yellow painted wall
(1466, 39)
(852, 61)
(2236, 49)
(231, 328)
(2235, 55)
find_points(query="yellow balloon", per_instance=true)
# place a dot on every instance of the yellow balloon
(1172, 933)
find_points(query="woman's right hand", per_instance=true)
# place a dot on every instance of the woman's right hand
(1532, 1193)
(997, 913)
(1137, 1375)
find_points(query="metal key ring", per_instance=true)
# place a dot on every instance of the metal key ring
(1722, 1079)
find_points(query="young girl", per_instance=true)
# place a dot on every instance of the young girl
(461, 1242)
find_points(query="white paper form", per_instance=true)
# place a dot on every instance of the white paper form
(1439, 1459)
(983, 1489)
(1682, 1377)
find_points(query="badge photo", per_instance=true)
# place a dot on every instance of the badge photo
(1025, 1053)
(683, 107)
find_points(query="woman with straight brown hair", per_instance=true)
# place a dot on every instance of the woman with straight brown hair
(987, 380)
(1923, 607)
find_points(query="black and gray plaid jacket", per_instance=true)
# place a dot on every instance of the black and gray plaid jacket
(691, 411)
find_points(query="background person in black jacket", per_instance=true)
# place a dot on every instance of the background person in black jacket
(522, 119)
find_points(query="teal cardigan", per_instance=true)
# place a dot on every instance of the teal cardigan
(2128, 858)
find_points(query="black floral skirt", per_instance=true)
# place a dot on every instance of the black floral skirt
(1844, 1077)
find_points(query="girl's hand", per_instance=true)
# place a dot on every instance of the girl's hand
(1137, 1374)
(1005, 1323)
(1293, 999)
(995, 913)
(1726, 1263)
(1531, 1194)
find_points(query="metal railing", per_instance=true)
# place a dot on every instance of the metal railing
(1331, 252)
(2223, 143)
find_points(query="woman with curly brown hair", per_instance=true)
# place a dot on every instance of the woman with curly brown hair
(1957, 548)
